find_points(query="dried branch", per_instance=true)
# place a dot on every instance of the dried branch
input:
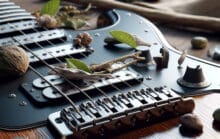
(161, 16)
(107, 67)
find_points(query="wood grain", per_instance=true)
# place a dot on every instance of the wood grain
(205, 105)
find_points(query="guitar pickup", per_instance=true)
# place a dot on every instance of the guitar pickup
(118, 77)
(60, 50)
(33, 38)
(12, 29)
(44, 93)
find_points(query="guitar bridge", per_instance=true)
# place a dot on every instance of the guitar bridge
(106, 115)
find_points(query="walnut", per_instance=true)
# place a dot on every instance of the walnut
(83, 39)
(47, 21)
(13, 61)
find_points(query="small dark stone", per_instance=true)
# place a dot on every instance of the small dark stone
(216, 115)
(191, 121)
(199, 42)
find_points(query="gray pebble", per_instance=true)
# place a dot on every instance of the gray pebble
(216, 115)
(216, 56)
(214, 52)
(199, 42)
(191, 121)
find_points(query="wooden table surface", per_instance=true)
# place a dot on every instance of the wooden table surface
(205, 105)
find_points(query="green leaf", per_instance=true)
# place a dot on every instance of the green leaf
(124, 37)
(75, 63)
(51, 7)
(75, 23)
(70, 64)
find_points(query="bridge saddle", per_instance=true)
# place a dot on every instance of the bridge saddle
(124, 110)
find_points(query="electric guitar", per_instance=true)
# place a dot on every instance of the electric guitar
(137, 95)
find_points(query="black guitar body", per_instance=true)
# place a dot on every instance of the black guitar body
(31, 109)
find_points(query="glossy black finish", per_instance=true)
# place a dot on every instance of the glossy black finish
(15, 117)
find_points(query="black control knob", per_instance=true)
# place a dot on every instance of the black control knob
(193, 78)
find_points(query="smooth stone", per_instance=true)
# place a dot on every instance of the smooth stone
(191, 121)
(214, 52)
(199, 42)
(216, 115)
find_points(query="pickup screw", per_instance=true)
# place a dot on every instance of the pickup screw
(12, 95)
(32, 90)
(128, 14)
(23, 103)
(97, 34)
(148, 78)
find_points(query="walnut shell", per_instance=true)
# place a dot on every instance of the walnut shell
(47, 21)
(13, 61)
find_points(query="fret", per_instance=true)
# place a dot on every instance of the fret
(11, 15)
(1, 1)
(12, 11)
(16, 19)
(9, 7)
(6, 4)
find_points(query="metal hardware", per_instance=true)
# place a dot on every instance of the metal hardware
(10, 15)
(12, 11)
(58, 51)
(119, 77)
(94, 119)
(9, 7)
(54, 79)
(32, 37)
(17, 18)
(5, 28)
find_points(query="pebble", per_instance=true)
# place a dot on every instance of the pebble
(191, 121)
(216, 115)
(199, 42)
(214, 52)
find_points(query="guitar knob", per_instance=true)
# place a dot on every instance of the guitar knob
(193, 78)
(145, 52)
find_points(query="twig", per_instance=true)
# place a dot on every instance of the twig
(107, 66)
(174, 18)
(151, 6)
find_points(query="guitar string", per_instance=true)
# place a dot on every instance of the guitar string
(102, 92)
(51, 68)
(81, 53)
(61, 61)
(95, 87)
(84, 55)
(114, 86)
(111, 83)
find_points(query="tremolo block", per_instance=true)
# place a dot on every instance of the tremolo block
(105, 115)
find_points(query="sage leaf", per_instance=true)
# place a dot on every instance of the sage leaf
(77, 64)
(51, 7)
(124, 37)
